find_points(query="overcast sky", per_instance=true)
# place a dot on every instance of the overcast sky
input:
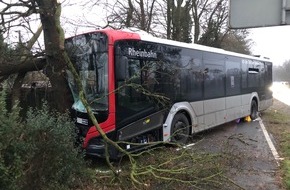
(272, 42)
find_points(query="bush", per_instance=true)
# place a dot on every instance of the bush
(39, 152)
(12, 149)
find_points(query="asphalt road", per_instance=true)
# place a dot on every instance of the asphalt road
(251, 163)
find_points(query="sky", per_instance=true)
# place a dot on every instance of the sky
(272, 42)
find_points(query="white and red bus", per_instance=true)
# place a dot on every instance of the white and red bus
(145, 89)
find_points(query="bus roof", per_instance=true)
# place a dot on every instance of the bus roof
(137, 34)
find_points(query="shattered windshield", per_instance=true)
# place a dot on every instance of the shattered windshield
(89, 55)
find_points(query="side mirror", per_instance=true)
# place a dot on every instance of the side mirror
(121, 68)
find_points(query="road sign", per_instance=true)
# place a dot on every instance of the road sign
(258, 13)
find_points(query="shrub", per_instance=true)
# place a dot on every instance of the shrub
(39, 152)
(12, 149)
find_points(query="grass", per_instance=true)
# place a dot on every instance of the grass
(277, 121)
(285, 147)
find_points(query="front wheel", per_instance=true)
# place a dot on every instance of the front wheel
(254, 110)
(180, 129)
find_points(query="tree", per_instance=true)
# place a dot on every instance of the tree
(211, 29)
(216, 17)
(236, 41)
(130, 13)
(198, 21)
(49, 13)
(179, 22)
(281, 73)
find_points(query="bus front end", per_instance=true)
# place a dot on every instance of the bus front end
(90, 55)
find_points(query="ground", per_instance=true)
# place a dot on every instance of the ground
(277, 122)
(231, 156)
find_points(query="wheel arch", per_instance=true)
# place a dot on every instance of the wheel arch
(181, 107)
(255, 97)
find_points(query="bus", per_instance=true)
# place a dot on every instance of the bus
(144, 89)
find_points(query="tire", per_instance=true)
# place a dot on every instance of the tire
(254, 110)
(180, 129)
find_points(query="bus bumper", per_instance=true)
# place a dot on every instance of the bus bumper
(96, 150)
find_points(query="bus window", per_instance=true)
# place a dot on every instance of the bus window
(134, 99)
(214, 78)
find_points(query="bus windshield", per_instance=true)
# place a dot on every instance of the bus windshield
(89, 55)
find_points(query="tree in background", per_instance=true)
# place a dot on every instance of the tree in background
(130, 13)
(213, 21)
(237, 41)
(215, 24)
(179, 22)
(199, 21)
(281, 73)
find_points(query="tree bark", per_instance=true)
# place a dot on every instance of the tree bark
(50, 11)
(129, 14)
(29, 64)
(170, 5)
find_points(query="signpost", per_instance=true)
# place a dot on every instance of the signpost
(258, 13)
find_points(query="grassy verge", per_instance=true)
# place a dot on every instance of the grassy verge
(277, 121)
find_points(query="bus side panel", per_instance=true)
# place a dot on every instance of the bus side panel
(234, 107)
(141, 126)
(214, 112)
(214, 105)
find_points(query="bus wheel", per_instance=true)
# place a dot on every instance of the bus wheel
(180, 129)
(254, 110)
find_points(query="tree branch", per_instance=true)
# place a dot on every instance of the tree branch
(31, 64)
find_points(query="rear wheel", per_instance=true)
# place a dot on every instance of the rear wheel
(180, 129)
(254, 110)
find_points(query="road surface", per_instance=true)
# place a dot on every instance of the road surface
(251, 163)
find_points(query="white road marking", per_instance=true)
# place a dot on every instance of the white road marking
(270, 143)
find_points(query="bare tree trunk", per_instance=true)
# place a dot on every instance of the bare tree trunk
(150, 17)
(196, 18)
(170, 5)
(50, 11)
(176, 14)
(129, 14)
(143, 16)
